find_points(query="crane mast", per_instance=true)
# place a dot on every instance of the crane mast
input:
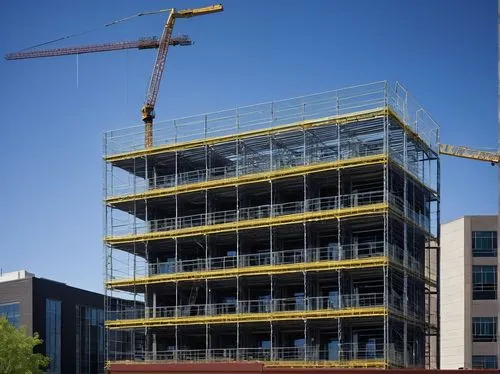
(148, 113)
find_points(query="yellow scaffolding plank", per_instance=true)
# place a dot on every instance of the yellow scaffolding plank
(340, 119)
(252, 271)
(248, 317)
(350, 364)
(251, 178)
(377, 208)
(347, 364)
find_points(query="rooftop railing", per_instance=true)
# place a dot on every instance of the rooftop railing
(242, 119)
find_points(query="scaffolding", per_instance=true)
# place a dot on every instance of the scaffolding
(303, 232)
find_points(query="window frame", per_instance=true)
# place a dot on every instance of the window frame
(481, 327)
(53, 334)
(484, 290)
(479, 238)
(483, 360)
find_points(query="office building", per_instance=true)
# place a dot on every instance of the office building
(70, 321)
(469, 297)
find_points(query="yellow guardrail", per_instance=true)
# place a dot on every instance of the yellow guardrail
(252, 271)
(250, 178)
(248, 317)
(377, 208)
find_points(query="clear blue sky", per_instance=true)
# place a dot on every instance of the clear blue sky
(444, 52)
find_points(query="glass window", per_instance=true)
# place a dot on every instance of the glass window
(484, 282)
(53, 335)
(484, 362)
(484, 329)
(484, 243)
(89, 340)
(11, 312)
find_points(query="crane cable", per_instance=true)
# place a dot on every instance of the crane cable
(148, 13)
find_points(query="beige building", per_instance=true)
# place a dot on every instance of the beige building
(469, 300)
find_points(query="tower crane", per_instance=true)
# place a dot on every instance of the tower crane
(162, 45)
(166, 40)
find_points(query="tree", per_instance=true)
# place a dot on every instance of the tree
(16, 351)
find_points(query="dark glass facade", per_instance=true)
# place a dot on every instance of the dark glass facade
(11, 312)
(53, 335)
(89, 340)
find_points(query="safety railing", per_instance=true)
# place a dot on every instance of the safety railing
(321, 154)
(333, 252)
(243, 119)
(270, 211)
(252, 213)
(266, 305)
(371, 350)
(420, 219)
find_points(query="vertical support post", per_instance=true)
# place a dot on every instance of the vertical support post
(205, 126)
(498, 167)
(106, 250)
(304, 225)
(207, 341)
(238, 244)
(147, 222)
(340, 240)
(386, 200)
(271, 246)
(405, 249)
(306, 343)
(154, 335)
(271, 333)
(438, 260)
(208, 210)
(177, 311)
(305, 161)
(176, 333)
(273, 308)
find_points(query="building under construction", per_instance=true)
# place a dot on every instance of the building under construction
(302, 233)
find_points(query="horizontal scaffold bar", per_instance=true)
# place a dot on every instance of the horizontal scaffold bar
(340, 119)
(351, 364)
(249, 317)
(253, 271)
(369, 209)
(251, 178)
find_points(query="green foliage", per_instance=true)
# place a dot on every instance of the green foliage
(16, 351)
